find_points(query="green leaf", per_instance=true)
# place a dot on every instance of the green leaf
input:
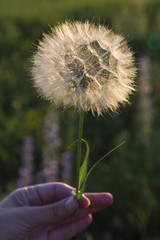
(83, 168)
(91, 169)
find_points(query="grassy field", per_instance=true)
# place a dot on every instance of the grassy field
(132, 174)
(137, 19)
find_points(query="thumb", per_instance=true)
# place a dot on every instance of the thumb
(52, 213)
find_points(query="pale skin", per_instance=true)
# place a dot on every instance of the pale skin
(48, 212)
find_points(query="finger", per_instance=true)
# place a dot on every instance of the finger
(84, 212)
(99, 200)
(52, 213)
(48, 193)
(70, 229)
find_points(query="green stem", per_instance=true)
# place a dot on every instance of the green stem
(78, 163)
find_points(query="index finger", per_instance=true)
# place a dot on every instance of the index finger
(53, 192)
(43, 194)
(99, 200)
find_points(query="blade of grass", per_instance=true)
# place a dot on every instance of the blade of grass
(83, 169)
(78, 162)
(91, 169)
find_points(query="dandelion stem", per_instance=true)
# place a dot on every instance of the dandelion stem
(80, 130)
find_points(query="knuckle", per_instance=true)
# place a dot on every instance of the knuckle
(55, 212)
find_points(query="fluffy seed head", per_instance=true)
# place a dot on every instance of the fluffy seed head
(85, 66)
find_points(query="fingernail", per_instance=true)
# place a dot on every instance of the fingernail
(110, 199)
(71, 205)
(85, 202)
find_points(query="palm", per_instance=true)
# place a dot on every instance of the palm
(47, 211)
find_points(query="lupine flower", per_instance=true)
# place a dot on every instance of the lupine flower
(145, 107)
(50, 169)
(85, 66)
(26, 176)
(66, 164)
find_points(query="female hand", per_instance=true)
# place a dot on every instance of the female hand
(48, 212)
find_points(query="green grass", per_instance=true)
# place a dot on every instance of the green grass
(47, 10)
(131, 17)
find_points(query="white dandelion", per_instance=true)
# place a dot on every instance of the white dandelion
(85, 66)
(88, 67)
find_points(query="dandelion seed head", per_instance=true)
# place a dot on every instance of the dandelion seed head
(85, 66)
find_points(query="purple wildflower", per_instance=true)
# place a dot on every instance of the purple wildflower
(66, 163)
(27, 165)
(50, 166)
(145, 99)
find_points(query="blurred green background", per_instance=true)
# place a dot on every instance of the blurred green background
(132, 173)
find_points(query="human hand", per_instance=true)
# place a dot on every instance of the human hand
(47, 212)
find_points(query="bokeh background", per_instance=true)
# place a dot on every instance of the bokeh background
(35, 135)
